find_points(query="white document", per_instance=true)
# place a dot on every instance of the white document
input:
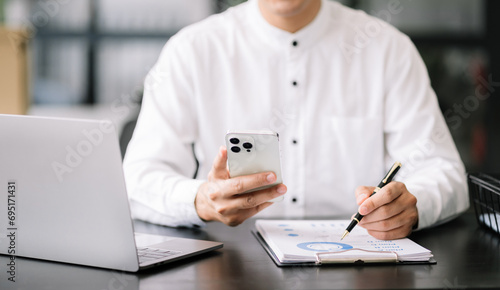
(491, 220)
(296, 241)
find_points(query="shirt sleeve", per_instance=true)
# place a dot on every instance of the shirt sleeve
(159, 164)
(416, 134)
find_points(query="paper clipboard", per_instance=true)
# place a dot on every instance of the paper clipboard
(328, 258)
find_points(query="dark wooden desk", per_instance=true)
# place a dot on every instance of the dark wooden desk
(467, 257)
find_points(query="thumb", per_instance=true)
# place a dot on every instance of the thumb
(362, 193)
(219, 167)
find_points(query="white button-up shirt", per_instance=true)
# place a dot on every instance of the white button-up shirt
(348, 95)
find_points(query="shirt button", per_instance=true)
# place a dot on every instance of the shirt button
(295, 43)
(294, 199)
(294, 83)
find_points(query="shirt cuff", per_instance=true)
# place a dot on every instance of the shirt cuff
(424, 206)
(188, 189)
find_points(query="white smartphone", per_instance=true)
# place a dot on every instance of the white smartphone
(254, 151)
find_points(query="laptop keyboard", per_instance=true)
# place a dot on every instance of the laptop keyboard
(147, 255)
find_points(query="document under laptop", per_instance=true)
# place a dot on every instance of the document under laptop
(63, 198)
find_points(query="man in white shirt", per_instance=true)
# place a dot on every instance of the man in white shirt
(348, 95)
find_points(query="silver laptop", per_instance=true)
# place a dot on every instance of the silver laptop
(63, 198)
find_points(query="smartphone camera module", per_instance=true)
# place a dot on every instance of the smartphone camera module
(234, 141)
(247, 146)
(235, 149)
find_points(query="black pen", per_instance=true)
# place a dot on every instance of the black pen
(388, 177)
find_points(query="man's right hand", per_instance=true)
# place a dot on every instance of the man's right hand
(222, 198)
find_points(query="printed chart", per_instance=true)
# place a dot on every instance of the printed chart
(300, 240)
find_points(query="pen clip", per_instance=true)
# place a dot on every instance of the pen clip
(395, 167)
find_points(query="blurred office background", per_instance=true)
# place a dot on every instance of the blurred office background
(92, 55)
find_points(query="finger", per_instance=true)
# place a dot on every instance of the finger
(387, 224)
(362, 193)
(384, 196)
(253, 199)
(364, 190)
(244, 214)
(405, 220)
(391, 230)
(219, 167)
(383, 212)
(249, 200)
(397, 233)
(405, 202)
(253, 211)
(241, 184)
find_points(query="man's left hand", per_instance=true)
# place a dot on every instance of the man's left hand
(389, 214)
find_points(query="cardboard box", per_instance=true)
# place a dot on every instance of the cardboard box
(14, 97)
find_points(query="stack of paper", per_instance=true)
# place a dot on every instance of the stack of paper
(299, 241)
(491, 220)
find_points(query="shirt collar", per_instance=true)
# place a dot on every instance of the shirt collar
(306, 36)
